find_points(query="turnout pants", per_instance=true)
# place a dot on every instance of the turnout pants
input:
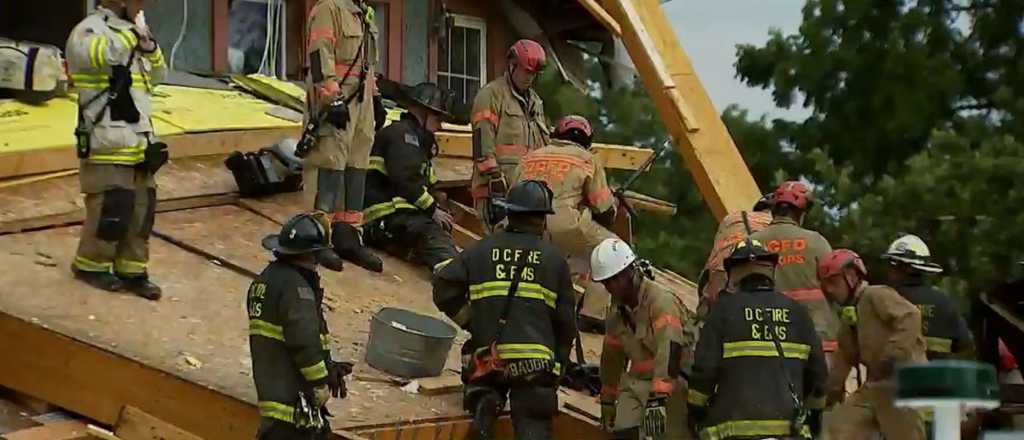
(334, 176)
(869, 412)
(120, 205)
(629, 410)
(412, 235)
(576, 234)
(271, 429)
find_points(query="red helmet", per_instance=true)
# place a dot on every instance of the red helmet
(528, 54)
(574, 122)
(795, 193)
(839, 259)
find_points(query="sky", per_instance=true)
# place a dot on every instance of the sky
(710, 30)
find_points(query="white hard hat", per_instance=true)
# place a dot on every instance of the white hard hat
(609, 258)
(912, 250)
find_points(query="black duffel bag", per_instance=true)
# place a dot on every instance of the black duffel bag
(264, 172)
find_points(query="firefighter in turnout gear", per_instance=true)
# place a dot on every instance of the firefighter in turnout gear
(759, 371)
(401, 214)
(799, 251)
(645, 329)
(880, 329)
(945, 331)
(508, 122)
(584, 206)
(115, 64)
(288, 336)
(731, 230)
(512, 291)
(342, 41)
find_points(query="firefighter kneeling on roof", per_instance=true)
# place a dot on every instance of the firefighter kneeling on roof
(880, 329)
(759, 370)
(402, 215)
(512, 291)
(644, 329)
(115, 64)
(584, 206)
(288, 337)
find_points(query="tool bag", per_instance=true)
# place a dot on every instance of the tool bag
(264, 172)
(33, 72)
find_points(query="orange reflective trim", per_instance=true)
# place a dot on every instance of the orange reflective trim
(829, 345)
(805, 294)
(600, 196)
(667, 320)
(480, 192)
(612, 341)
(547, 157)
(663, 386)
(511, 150)
(486, 165)
(323, 33)
(329, 89)
(350, 217)
(485, 115)
(348, 70)
(641, 367)
(609, 391)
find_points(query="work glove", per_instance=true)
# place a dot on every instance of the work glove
(655, 416)
(337, 114)
(380, 114)
(322, 394)
(156, 156)
(336, 378)
(141, 30)
(443, 218)
(607, 415)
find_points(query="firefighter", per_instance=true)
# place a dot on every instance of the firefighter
(288, 337)
(799, 251)
(115, 63)
(759, 371)
(645, 329)
(508, 122)
(731, 230)
(945, 331)
(584, 205)
(512, 291)
(401, 214)
(341, 91)
(880, 329)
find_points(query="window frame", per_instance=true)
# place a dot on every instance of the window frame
(469, 22)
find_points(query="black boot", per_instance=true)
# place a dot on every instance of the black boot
(100, 280)
(484, 416)
(142, 286)
(348, 243)
(330, 260)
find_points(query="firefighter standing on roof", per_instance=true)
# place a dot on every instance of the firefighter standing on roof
(584, 205)
(731, 230)
(799, 251)
(945, 330)
(513, 293)
(880, 329)
(759, 369)
(645, 331)
(288, 337)
(508, 122)
(115, 64)
(342, 59)
(402, 215)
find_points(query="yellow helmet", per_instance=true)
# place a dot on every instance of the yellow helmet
(912, 250)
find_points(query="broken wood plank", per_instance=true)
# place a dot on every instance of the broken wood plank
(48, 160)
(612, 156)
(7, 183)
(650, 204)
(444, 384)
(580, 403)
(66, 430)
(95, 432)
(135, 424)
(466, 217)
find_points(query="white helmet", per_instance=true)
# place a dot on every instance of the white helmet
(609, 258)
(910, 249)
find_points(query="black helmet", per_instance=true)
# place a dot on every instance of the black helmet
(749, 250)
(428, 95)
(765, 202)
(299, 235)
(529, 197)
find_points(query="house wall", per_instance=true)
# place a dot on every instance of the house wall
(499, 34)
(165, 19)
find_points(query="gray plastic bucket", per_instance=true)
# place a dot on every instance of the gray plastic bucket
(408, 344)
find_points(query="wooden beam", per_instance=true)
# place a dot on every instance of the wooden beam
(96, 383)
(459, 144)
(444, 384)
(135, 424)
(668, 75)
(649, 204)
(184, 145)
(602, 16)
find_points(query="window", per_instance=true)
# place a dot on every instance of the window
(462, 58)
(257, 38)
(380, 17)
